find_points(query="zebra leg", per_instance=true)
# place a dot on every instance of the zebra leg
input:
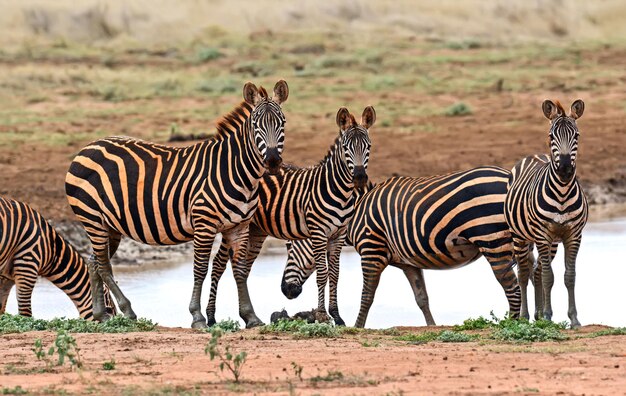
(6, 284)
(415, 276)
(246, 243)
(524, 268)
(571, 251)
(502, 268)
(320, 242)
(219, 265)
(203, 238)
(372, 265)
(334, 253)
(546, 254)
(537, 283)
(25, 276)
(106, 274)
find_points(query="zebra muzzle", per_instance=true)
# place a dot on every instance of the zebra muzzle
(272, 161)
(360, 177)
(290, 290)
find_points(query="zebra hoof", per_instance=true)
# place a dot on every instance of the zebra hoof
(254, 323)
(199, 324)
(211, 322)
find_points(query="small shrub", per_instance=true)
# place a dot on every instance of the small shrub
(455, 336)
(228, 326)
(218, 86)
(64, 347)
(233, 362)
(207, 54)
(283, 326)
(109, 365)
(475, 324)
(458, 109)
(523, 331)
(318, 330)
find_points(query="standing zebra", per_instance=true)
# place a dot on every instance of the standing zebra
(163, 195)
(30, 247)
(545, 205)
(437, 222)
(314, 202)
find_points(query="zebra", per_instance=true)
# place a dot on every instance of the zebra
(546, 205)
(162, 195)
(437, 222)
(314, 202)
(29, 248)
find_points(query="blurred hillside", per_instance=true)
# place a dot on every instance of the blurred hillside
(168, 22)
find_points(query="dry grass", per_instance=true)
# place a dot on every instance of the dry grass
(171, 22)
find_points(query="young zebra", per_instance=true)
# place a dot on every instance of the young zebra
(163, 195)
(314, 203)
(438, 222)
(30, 247)
(546, 205)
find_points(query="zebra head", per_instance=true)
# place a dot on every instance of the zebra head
(300, 265)
(356, 142)
(268, 122)
(563, 136)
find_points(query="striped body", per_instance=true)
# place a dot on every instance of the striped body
(163, 195)
(438, 222)
(545, 206)
(315, 202)
(29, 248)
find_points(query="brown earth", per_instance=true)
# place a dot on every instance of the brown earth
(172, 361)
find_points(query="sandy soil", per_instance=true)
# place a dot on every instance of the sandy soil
(172, 360)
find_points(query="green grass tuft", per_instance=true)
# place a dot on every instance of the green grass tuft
(520, 330)
(228, 326)
(458, 109)
(117, 324)
(207, 54)
(455, 336)
(301, 328)
(475, 324)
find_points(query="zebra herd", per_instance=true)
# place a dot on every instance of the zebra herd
(236, 184)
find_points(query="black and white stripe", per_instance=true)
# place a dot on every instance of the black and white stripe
(29, 248)
(163, 195)
(546, 205)
(315, 202)
(438, 222)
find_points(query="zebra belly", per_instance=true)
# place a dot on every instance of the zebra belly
(459, 252)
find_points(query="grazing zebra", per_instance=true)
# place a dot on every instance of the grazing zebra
(314, 202)
(437, 222)
(300, 266)
(163, 195)
(546, 205)
(29, 248)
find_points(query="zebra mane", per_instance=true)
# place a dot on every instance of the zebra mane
(560, 108)
(232, 122)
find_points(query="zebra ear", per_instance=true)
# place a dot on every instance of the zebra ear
(577, 109)
(551, 110)
(281, 92)
(344, 120)
(251, 94)
(369, 117)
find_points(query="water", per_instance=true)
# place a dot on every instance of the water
(161, 292)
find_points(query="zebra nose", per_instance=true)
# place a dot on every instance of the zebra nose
(360, 176)
(290, 290)
(566, 167)
(273, 160)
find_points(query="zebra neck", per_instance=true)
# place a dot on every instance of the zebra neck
(339, 175)
(556, 189)
(244, 158)
(68, 271)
